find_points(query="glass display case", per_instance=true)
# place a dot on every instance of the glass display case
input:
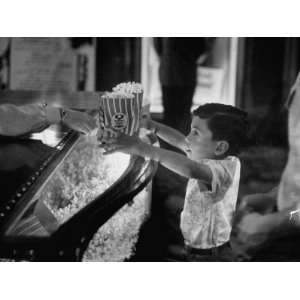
(63, 200)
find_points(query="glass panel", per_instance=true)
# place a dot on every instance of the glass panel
(82, 176)
(116, 239)
(20, 158)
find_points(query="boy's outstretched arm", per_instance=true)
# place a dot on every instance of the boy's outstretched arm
(176, 162)
(168, 134)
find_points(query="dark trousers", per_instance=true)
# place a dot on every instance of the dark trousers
(177, 103)
(217, 254)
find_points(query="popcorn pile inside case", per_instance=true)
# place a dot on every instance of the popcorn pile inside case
(84, 174)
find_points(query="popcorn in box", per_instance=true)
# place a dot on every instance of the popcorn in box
(119, 112)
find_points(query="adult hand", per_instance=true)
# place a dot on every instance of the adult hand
(260, 202)
(80, 121)
(251, 224)
(249, 234)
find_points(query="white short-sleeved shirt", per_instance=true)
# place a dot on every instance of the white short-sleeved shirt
(207, 214)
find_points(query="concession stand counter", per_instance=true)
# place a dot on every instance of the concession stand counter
(61, 199)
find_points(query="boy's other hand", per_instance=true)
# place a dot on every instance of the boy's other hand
(148, 124)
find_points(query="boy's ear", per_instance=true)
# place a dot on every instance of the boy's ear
(221, 148)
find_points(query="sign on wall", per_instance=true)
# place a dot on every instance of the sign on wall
(42, 64)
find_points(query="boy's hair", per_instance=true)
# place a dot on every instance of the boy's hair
(227, 123)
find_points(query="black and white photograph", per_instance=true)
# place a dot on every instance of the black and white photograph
(150, 149)
(164, 150)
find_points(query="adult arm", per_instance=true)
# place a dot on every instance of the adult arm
(20, 120)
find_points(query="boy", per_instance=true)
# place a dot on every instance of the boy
(218, 132)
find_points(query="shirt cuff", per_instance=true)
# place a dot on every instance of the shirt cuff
(53, 115)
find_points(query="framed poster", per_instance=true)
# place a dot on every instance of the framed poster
(60, 64)
(42, 64)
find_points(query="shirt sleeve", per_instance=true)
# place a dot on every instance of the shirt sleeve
(19, 120)
(222, 177)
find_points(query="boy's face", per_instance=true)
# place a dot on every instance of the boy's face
(200, 140)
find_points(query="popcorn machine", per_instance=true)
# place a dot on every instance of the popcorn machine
(62, 199)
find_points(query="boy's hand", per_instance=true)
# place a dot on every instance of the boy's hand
(80, 121)
(123, 143)
(147, 123)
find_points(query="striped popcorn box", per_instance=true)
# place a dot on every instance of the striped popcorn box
(119, 112)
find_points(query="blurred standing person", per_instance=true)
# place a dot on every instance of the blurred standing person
(267, 225)
(177, 74)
